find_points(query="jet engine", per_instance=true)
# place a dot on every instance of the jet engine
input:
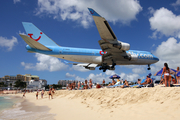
(122, 45)
(90, 68)
(131, 57)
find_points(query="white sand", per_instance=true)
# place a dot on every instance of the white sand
(158, 103)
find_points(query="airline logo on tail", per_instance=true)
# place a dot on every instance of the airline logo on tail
(30, 35)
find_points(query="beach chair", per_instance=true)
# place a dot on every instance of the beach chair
(137, 85)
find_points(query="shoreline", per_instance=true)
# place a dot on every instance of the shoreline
(109, 103)
(24, 109)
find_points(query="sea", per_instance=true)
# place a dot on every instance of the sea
(11, 109)
(7, 102)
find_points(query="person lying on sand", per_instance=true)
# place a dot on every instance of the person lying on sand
(98, 86)
(113, 82)
(139, 81)
(125, 84)
(148, 82)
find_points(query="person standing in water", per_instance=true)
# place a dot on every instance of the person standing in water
(166, 73)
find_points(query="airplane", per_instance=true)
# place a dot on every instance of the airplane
(113, 52)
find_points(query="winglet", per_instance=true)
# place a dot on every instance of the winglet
(93, 12)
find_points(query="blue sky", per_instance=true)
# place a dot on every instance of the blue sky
(146, 25)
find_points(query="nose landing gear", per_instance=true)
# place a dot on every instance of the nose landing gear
(148, 67)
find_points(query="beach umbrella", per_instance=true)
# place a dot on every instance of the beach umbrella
(158, 73)
(178, 74)
(115, 77)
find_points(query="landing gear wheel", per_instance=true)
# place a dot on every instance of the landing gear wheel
(104, 70)
(148, 67)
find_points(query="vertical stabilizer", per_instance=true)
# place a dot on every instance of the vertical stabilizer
(37, 35)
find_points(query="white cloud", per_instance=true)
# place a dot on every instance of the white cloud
(123, 11)
(15, 1)
(9, 43)
(68, 75)
(168, 51)
(139, 69)
(110, 72)
(129, 77)
(176, 4)
(45, 62)
(79, 79)
(165, 22)
(97, 77)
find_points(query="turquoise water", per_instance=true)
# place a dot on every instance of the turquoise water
(7, 102)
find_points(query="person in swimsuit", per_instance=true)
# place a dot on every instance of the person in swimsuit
(79, 85)
(90, 83)
(125, 84)
(82, 86)
(113, 82)
(148, 82)
(42, 93)
(103, 83)
(166, 73)
(177, 77)
(50, 94)
(24, 94)
(37, 95)
(85, 86)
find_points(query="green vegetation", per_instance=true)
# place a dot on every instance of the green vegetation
(20, 84)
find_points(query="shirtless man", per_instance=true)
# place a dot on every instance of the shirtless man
(148, 81)
(139, 81)
(126, 84)
(103, 83)
(50, 94)
(113, 82)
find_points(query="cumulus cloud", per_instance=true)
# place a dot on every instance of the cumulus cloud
(68, 75)
(45, 62)
(123, 11)
(168, 51)
(15, 1)
(176, 4)
(129, 77)
(165, 22)
(97, 77)
(8, 43)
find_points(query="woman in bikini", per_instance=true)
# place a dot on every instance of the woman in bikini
(79, 85)
(90, 83)
(166, 72)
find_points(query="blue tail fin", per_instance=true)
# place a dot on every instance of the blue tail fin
(36, 34)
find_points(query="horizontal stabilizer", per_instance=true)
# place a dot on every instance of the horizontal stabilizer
(34, 44)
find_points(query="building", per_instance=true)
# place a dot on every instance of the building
(11, 79)
(36, 84)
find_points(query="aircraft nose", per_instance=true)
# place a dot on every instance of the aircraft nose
(156, 58)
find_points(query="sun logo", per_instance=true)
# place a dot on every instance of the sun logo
(30, 35)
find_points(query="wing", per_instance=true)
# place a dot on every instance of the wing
(115, 49)
(89, 66)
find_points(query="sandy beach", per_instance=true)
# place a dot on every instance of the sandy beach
(157, 103)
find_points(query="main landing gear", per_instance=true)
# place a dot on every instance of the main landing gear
(148, 67)
(104, 66)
